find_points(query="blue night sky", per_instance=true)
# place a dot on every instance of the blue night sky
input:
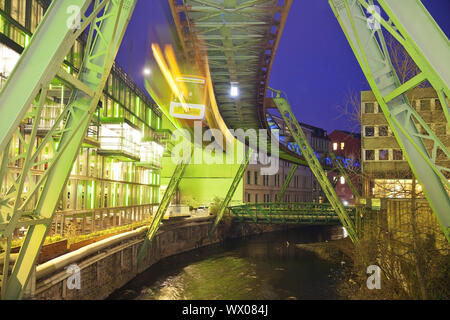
(314, 63)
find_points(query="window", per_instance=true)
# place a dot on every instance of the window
(256, 177)
(425, 105)
(440, 129)
(248, 177)
(342, 180)
(335, 145)
(248, 197)
(397, 154)
(383, 131)
(370, 154)
(383, 155)
(18, 11)
(256, 198)
(369, 107)
(369, 131)
(437, 104)
(342, 145)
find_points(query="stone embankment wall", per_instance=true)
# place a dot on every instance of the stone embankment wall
(107, 265)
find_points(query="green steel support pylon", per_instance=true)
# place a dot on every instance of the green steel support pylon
(287, 181)
(41, 61)
(237, 179)
(413, 27)
(353, 189)
(314, 164)
(164, 204)
(344, 174)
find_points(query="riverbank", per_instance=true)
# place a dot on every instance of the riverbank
(109, 264)
(266, 266)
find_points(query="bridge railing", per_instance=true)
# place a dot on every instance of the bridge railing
(79, 222)
(289, 212)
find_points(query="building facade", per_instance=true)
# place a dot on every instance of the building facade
(347, 147)
(385, 169)
(119, 162)
(303, 186)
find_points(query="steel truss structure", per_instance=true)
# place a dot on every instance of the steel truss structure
(308, 153)
(287, 181)
(106, 21)
(292, 212)
(164, 204)
(430, 49)
(237, 179)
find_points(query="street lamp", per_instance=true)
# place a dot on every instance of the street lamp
(147, 71)
(234, 90)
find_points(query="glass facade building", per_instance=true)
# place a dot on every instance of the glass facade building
(116, 176)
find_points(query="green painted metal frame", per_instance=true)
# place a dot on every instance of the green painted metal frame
(300, 138)
(372, 54)
(108, 21)
(344, 173)
(308, 213)
(237, 179)
(353, 189)
(162, 208)
(286, 182)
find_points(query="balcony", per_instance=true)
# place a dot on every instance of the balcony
(120, 140)
(151, 153)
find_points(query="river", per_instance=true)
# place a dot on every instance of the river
(268, 266)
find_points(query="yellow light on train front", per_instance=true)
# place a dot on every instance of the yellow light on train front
(195, 98)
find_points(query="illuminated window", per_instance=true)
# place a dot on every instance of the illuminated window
(335, 146)
(342, 180)
(342, 145)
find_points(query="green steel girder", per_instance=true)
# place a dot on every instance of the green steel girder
(109, 20)
(429, 51)
(38, 64)
(286, 182)
(308, 213)
(239, 39)
(314, 164)
(354, 190)
(163, 205)
(344, 173)
(237, 179)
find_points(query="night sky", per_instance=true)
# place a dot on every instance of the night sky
(314, 63)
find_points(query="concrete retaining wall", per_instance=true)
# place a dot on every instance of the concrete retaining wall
(107, 265)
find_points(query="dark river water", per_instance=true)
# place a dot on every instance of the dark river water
(268, 266)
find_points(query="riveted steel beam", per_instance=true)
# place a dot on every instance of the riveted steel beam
(429, 50)
(109, 20)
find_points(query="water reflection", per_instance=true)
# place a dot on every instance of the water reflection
(269, 266)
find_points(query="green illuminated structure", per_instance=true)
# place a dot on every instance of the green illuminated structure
(287, 181)
(30, 200)
(313, 163)
(412, 26)
(292, 212)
